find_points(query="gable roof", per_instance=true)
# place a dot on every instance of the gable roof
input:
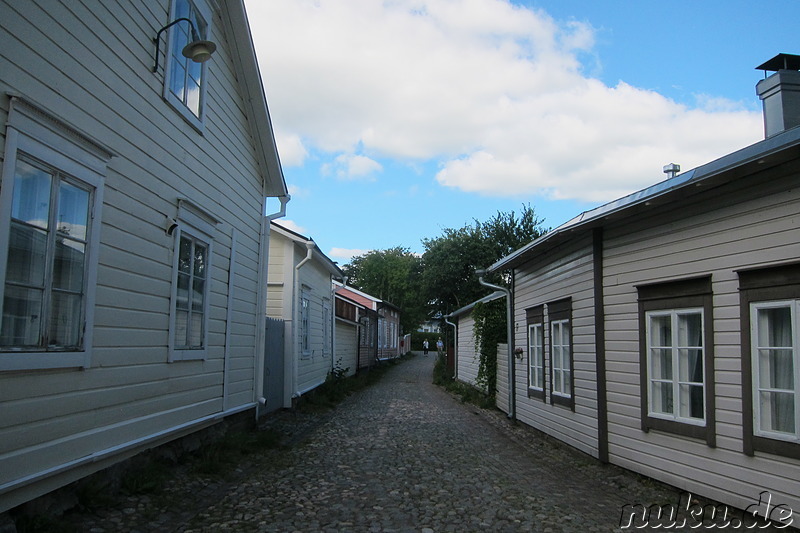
(773, 151)
(329, 265)
(240, 39)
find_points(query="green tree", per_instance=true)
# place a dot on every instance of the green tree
(393, 275)
(450, 260)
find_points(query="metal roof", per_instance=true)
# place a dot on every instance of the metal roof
(490, 298)
(766, 151)
(781, 62)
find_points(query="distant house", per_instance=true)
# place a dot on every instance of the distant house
(300, 292)
(661, 332)
(133, 237)
(467, 354)
(380, 327)
(349, 315)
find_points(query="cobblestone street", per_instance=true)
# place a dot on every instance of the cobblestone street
(402, 455)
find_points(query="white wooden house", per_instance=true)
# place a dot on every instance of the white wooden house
(660, 331)
(300, 292)
(132, 235)
(467, 352)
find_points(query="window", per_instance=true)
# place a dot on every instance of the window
(561, 364)
(676, 357)
(326, 327)
(770, 305)
(305, 304)
(191, 282)
(185, 80)
(535, 321)
(774, 341)
(675, 365)
(52, 188)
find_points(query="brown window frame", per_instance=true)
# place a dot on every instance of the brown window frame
(695, 292)
(557, 311)
(761, 285)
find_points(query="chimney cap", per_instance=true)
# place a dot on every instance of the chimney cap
(781, 62)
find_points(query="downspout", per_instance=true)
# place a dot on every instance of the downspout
(455, 346)
(296, 321)
(261, 293)
(512, 385)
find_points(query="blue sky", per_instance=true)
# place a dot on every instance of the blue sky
(400, 118)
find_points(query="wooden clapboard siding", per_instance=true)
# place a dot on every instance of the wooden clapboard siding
(89, 64)
(748, 224)
(468, 357)
(565, 272)
(501, 397)
(313, 368)
(346, 347)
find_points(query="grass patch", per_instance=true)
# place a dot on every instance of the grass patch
(218, 458)
(443, 377)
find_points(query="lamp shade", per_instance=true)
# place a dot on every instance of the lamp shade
(199, 51)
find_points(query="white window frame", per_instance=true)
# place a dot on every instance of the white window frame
(326, 327)
(794, 307)
(536, 356)
(561, 387)
(675, 381)
(195, 224)
(203, 9)
(35, 132)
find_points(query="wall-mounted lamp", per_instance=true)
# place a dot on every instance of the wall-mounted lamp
(198, 50)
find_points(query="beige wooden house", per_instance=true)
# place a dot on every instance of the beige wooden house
(132, 238)
(300, 292)
(661, 332)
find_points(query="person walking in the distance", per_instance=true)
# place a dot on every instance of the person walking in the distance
(425, 347)
(439, 347)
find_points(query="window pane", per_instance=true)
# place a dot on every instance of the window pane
(193, 98)
(775, 327)
(22, 315)
(181, 9)
(182, 300)
(65, 319)
(177, 77)
(661, 398)
(690, 329)
(198, 294)
(200, 255)
(777, 412)
(660, 331)
(73, 211)
(31, 198)
(661, 363)
(565, 334)
(68, 267)
(691, 401)
(185, 256)
(196, 340)
(776, 369)
(691, 365)
(27, 249)
(181, 328)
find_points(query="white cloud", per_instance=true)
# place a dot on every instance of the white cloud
(344, 255)
(352, 167)
(293, 226)
(291, 149)
(493, 91)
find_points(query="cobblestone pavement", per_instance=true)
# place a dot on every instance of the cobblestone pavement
(402, 456)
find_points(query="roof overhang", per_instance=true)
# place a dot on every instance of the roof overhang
(318, 256)
(240, 40)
